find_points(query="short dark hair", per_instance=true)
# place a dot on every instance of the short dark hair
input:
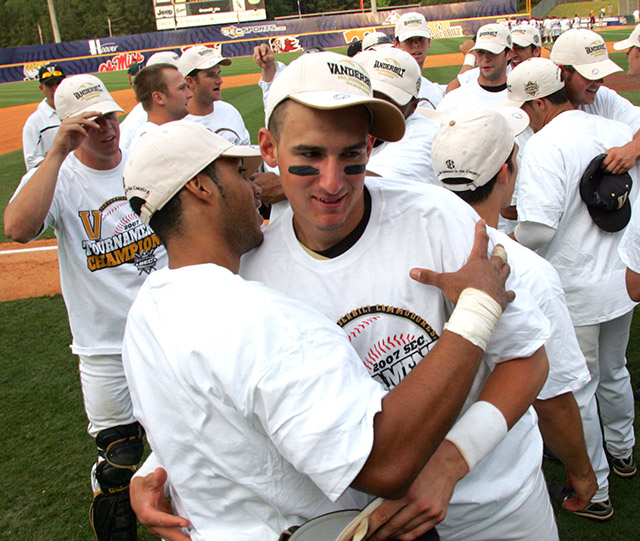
(559, 97)
(168, 220)
(149, 80)
(276, 119)
(483, 192)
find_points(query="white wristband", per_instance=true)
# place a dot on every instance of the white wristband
(469, 60)
(475, 317)
(478, 432)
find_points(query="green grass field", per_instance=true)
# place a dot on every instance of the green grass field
(45, 454)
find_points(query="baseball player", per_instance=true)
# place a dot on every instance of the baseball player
(562, 222)
(395, 77)
(138, 116)
(164, 95)
(200, 66)
(413, 36)
(42, 125)
(582, 55)
(474, 154)
(105, 254)
(341, 226)
(246, 366)
(526, 43)
(493, 50)
(632, 46)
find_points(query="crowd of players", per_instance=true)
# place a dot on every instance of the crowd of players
(253, 400)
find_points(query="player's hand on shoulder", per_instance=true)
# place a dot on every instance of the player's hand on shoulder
(479, 272)
(73, 130)
(152, 507)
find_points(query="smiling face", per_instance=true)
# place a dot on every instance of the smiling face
(520, 54)
(239, 205)
(322, 157)
(417, 47)
(101, 148)
(581, 90)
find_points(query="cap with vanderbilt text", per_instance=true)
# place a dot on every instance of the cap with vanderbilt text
(374, 40)
(532, 79)
(79, 94)
(472, 145)
(330, 81)
(494, 38)
(632, 41)
(165, 159)
(393, 72)
(200, 58)
(412, 25)
(164, 57)
(586, 51)
(51, 73)
(606, 196)
(525, 35)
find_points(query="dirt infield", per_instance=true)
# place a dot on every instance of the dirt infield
(32, 270)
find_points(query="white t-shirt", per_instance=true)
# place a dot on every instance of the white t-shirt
(38, 134)
(105, 253)
(393, 321)
(256, 405)
(434, 92)
(568, 370)
(471, 75)
(629, 249)
(409, 158)
(472, 96)
(226, 121)
(585, 256)
(610, 104)
(129, 126)
(146, 126)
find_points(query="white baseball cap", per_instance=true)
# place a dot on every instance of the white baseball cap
(165, 159)
(524, 35)
(81, 93)
(474, 144)
(375, 40)
(393, 72)
(632, 41)
(333, 81)
(411, 25)
(532, 79)
(586, 51)
(163, 57)
(494, 38)
(200, 58)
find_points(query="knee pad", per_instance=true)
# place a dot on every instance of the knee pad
(121, 446)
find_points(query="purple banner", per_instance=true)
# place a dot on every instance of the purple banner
(118, 53)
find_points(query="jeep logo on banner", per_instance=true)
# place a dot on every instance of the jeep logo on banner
(164, 12)
(96, 47)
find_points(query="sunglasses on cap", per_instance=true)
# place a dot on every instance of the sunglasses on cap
(54, 73)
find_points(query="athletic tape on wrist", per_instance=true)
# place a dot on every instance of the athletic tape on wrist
(475, 317)
(478, 432)
(469, 60)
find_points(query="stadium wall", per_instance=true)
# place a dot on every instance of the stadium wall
(118, 53)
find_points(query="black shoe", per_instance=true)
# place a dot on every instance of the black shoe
(624, 467)
(597, 511)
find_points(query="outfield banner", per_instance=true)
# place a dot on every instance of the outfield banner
(118, 53)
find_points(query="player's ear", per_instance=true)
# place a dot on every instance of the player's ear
(158, 97)
(268, 147)
(370, 140)
(200, 186)
(503, 175)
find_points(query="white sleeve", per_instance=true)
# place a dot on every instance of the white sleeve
(610, 104)
(629, 248)
(32, 152)
(264, 86)
(533, 235)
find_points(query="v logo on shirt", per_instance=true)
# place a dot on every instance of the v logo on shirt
(92, 222)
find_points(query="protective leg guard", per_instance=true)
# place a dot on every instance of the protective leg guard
(120, 450)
